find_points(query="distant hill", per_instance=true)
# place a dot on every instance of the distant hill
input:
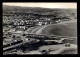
(38, 9)
(58, 13)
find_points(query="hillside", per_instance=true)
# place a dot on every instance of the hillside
(58, 13)
(68, 29)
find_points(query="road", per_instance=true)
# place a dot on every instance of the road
(58, 49)
(63, 49)
(12, 46)
(38, 30)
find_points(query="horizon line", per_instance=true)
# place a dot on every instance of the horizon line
(40, 7)
(44, 5)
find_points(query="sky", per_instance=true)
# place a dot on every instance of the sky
(43, 5)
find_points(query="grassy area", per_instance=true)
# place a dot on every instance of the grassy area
(65, 29)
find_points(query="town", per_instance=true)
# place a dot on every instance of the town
(19, 23)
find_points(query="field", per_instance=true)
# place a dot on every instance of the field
(68, 29)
